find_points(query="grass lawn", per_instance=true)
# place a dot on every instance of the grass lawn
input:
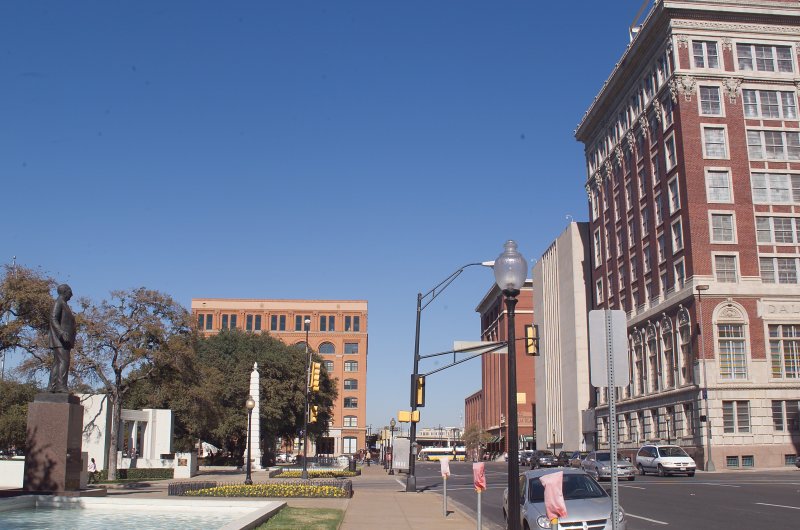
(304, 518)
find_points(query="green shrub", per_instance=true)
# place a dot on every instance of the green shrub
(155, 473)
(270, 490)
(317, 473)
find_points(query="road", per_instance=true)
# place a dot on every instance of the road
(707, 501)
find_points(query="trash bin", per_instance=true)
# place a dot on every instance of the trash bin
(352, 464)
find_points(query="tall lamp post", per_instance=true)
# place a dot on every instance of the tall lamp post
(422, 302)
(700, 289)
(250, 404)
(510, 272)
(391, 447)
(304, 474)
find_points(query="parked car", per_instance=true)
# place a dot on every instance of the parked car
(563, 458)
(576, 458)
(598, 465)
(525, 457)
(285, 458)
(664, 460)
(543, 458)
(586, 501)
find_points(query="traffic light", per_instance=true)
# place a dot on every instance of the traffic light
(532, 340)
(315, 369)
(312, 417)
(419, 391)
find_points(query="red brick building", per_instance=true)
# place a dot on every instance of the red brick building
(693, 157)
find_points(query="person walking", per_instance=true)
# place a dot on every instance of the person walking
(92, 468)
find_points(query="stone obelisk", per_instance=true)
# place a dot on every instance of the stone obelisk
(255, 429)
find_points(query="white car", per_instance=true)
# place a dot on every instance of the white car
(664, 460)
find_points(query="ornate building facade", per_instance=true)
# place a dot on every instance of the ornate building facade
(693, 157)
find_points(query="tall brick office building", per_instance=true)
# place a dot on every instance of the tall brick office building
(338, 332)
(693, 157)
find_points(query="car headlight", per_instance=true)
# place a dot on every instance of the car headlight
(621, 516)
(543, 521)
(603, 468)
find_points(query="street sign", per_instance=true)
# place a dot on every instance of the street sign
(400, 451)
(605, 325)
(478, 346)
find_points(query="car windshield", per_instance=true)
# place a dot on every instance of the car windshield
(574, 486)
(672, 451)
(606, 457)
(545, 453)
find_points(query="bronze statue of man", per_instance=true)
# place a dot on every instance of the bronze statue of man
(62, 339)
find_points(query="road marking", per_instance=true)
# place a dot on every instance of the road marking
(400, 482)
(634, 487)
(718, 484)
(646, 519)
(779, 506)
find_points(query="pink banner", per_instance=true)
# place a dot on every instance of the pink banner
(479, 476)
(553, 494)
(445, 463)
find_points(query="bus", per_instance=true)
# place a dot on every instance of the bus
(435, 453)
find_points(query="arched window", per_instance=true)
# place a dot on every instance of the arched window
(351, 384)
(685, 342)
(351, 403)
(653, 358)
(300, 345)
(631, 371)
(351, 366)
(638, 352)
(731, 324)
(667, 341)
(327, 348)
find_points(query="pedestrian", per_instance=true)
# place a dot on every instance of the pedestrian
(92, 468)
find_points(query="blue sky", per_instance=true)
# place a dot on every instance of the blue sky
(292, 149)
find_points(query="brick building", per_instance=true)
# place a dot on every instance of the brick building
(488, 407)
(338, 332)
(693, 157)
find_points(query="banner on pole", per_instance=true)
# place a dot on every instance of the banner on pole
(479, 476)
(445, 463)
(554, 495)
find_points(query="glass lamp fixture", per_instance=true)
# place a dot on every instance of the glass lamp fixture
(510, 268)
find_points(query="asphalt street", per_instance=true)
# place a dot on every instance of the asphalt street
(707, 501)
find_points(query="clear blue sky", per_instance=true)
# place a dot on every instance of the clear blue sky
(323, 150)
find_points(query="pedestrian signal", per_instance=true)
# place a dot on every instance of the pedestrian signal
(419, 391)
(313, 416)
(315, 369)
(532, 340)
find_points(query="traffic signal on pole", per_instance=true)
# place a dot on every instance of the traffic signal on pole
(532, 340)
(312, 417)
(315, 369)
(419, 391)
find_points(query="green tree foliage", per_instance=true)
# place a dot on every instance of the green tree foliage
(475, 438)
(14, 399)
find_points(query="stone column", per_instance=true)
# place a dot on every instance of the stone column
(255, 431)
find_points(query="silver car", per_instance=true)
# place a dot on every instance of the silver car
(588, 504)
(598, 465)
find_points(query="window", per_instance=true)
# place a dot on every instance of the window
(710, 103)
(607, 245)
(619, 243)
(674, 196)
(654, 169)
(204, 321)
(621, 273)
(677, 236)
(680, 275)
(662, 282)
(765, 58)
(778, 270)
(732, 351)
(634, 269)
(351, 421)
(748, 461)
(773, 145)
(642, 180)
(328, 366)
(714, 145)
(351, 402)
(736, 416)
(659, 203)
(299, 322)
(631, 233)
(645, 216)
(725, 267)
(732, 461)
(327, 323)
(705, 54)
(595, 214)
(646, 260)
(277, 323)
(598, 256)
(351, 384)
(688, 416)
(769, 104)
(718, 186)
(628, 195)
(617, 209)
(351, 347)
(252, 323)
(327, 348)
(228, 321)
(786, 416)
(352, 323)
(775, 188)
(722, 228)
(350, 444)
(784, 349)
(351, 366)
(669, 149)
(666, 105)
(598, 290)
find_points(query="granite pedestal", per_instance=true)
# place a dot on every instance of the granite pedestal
(53, 462)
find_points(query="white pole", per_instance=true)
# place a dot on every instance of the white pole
(480, 522)
(445, 495)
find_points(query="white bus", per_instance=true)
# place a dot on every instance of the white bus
(435, 453)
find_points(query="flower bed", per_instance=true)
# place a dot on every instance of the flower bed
(271, 490)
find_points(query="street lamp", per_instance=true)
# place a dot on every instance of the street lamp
(250, 404)
(423, 300)
(700, 289)
(304, 474)
(391, 447)
(554, 441)
(510, 272)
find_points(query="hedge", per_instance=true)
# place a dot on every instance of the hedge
(317, 473)
(154, 473)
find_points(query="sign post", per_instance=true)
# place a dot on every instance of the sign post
(608, 358)
(479, 481)
(445, 463)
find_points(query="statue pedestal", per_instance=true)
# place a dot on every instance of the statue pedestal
(53, 462)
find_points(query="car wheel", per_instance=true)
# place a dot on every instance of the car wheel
(661, 472)
(641, 469)
(691, 474)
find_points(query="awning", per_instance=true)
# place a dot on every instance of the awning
(499, 439)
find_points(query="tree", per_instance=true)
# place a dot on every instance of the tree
(475, 439)
(14, 399)
(125, 340)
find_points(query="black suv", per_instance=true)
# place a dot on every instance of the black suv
(543, 458)
(563, 458)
